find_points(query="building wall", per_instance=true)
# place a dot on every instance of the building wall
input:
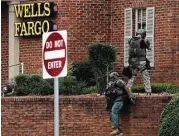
(85, 22)
(79, 116)
(103, 21)
(4, 42)
(166, 36)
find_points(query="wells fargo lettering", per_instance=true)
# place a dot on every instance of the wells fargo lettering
(32, 10)
(32, 28)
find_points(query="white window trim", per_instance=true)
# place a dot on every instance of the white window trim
(126, 54)
(151, 35)
(136, 19)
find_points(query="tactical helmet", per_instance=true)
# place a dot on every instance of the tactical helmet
(141, 31)
(113, 75)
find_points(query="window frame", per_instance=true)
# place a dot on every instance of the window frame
(150, 26)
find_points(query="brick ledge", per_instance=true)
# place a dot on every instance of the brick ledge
(77, 98)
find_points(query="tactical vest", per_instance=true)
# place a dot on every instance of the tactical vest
(137, 49)
(116, 93)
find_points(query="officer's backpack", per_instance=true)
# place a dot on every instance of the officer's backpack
(134, 51)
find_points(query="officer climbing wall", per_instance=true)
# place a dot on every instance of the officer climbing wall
(117, 94)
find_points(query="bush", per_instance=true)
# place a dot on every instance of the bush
(89, 90)
(169, 122)
(158, 88)
(101, 57)
(70, 86)
(27, 84)
(173, 104)
(83, 72)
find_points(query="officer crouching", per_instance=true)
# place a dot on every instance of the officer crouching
(116, 95)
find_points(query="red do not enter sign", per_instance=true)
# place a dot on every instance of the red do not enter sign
(54, 55)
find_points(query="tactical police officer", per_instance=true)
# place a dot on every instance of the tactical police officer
(138, 61)
(116, 94)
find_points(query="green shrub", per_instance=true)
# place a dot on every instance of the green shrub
(169, 122)
(70, 86)
(101, 57)
(158, 88)
(83, 72)
(172, 105)
(31, 84)
(22, 84)
(89, 90)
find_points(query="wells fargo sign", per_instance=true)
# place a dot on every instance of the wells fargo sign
(33, 10)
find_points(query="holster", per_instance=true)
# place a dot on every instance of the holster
(148, 64)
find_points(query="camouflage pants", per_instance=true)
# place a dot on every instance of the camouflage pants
(145, 77)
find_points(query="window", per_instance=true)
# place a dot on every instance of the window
(144, 19)
(140, 19)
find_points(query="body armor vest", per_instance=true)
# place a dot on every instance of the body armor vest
(137, 48)
(116, 92)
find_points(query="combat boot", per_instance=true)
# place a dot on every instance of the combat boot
(116, 132)
(121, 134)
(147, 93)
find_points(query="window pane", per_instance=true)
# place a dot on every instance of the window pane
(141, 20)
(139, 26)
(144, 26)
(143, 15)
(139, 15)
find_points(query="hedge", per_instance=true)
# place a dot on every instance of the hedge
(70, 86)
(83, 72)
(169, 122)
(31, 84)
(158, 88)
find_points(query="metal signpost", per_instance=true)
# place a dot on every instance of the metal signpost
(54, 58)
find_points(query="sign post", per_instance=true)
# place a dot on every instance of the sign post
(54, 56)
(56, 107)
